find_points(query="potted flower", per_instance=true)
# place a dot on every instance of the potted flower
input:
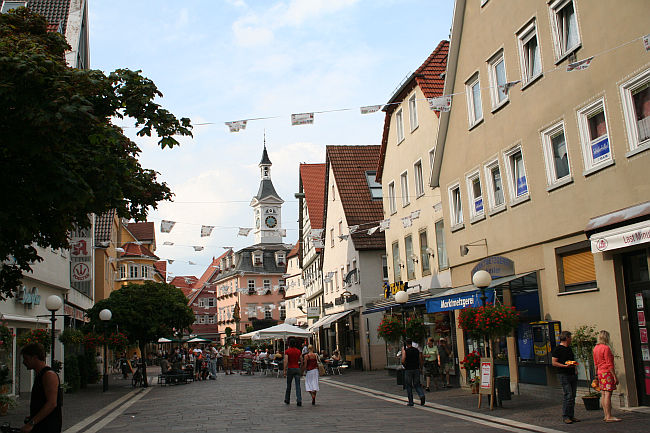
(6, 402)
(6, 337)
(117, 342)
(35, 336)
(488, 321)
(583, 341)
(471, 363)
(71, 337)
(415, 329)
(93, 340)
(390, 329)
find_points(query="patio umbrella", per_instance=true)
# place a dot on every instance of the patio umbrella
(198, 340)
(164, 340)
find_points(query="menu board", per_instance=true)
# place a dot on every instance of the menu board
(640, 316)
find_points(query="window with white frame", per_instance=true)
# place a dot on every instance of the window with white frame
(495, 185)
(404, 181)
(594, 136)
(635, 95)
(432, 159)
(419, 181)
(413, 113)
(332, 237)
(133, 271)
(210, 319)
(497, 76)
(268, 314)
(9, 5)
(441, 246)
(384, 267)
(212, 302)
(410, 257)
(474, 106)
(555, 154)
(392, 204)
(516, 174)
(355, 276)
(565, 27)
(280, 258)
(399, 122)
(373, 185)
(257, 258)
(267, 284)
(201, 319)
(122, 270)
(201, 302)
(456, 205)
(145, 271)
(475, 195)
(397, 275)
(529, 53)
(424, 254)
(283, 312)
(251, 286)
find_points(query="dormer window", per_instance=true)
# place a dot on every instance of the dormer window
(280, 258)
(9, 5)
(257, 258)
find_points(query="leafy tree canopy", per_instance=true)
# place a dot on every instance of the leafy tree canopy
(61, 158)
(144, 312)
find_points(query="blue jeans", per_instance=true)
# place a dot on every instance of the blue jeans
(569, 387)
(293, 374)
(412, 380)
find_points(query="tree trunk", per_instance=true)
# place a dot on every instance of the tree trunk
(143, 354)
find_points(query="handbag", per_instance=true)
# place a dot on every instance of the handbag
(321, 367)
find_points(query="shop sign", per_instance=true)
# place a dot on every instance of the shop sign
(458, 302)
(80, 272)
(497, 266)
(29, 297)
(313, 312)
(80, 244)
(636, 234)
(391, 289)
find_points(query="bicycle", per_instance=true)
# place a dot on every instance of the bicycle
(138, 377)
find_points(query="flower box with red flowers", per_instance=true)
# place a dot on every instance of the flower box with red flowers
(488, 321)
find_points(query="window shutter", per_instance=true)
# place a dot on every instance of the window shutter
(579, 268)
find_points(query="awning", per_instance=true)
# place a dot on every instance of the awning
(626, 236)
(394, 305)
(495, 282)
(326, 321)
(631, 215)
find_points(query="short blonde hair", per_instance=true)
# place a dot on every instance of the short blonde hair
(603, 337)
(310, 348)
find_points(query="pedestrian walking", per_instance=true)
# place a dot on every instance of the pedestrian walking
(227, 361)
(607, 380)
(563, 359)
(431, 364)
(310, 365)
(292, 357)
(412, 362)
(47, 397)
(444, 356)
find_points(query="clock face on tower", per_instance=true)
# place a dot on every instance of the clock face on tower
(271, 221)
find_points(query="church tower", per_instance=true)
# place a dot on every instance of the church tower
(267, 207)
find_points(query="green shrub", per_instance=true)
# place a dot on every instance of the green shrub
(71, 370)
(91, 367)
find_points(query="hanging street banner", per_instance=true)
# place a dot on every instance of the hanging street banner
(370, 109)
(442, 103)
(505, 88)
(646, 42)
(166, 226)
(244, 231)
(302, 119)
(579, 66)
(206, 231)
(236, 125)
(80, 257)
(198, 248)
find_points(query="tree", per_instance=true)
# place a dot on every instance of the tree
(61, 158)
(145, 312)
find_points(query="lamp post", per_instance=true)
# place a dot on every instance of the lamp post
(53, 303)
(105, 315)
(402, 298)
(482, 280)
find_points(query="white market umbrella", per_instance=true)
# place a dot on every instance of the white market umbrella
(164, 340)
(282, 331)
(198, 340)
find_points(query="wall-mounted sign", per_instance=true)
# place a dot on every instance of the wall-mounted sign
(313, 312)
(497, 266)
(28, 297)
(458, 302)
(80, 272)
(391, 289)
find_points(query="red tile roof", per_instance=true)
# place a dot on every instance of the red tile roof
(185, 284)
(131, 249)
(103, 226)
(144, 231)
(56, 12)
(161, 267)
(312, 177)
(430, 78)
(294, 250)
(349, 165)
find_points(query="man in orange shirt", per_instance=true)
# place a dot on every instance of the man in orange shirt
(292, 358)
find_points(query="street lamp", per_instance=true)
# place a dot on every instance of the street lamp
(53, 303)
(482, 280)
(105, 315)
(401, 298)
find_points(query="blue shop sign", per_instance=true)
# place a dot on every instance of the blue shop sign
(458, 302)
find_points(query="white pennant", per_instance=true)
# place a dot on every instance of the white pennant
(168, 243)
(384, 225)
(316, 233)
(579, 66)
(198, 248)
(318, 244)
(206, 231)
(191, 263)
(415, 214)
(353, 229)
(407, 222)
(370, 109)
(372, 231)
(166, 226)
(236, 125)
(442, 103)
(343, 237)
(505, 88)
(170, 261)
(283, 232)
(302, 119)
(244, 231)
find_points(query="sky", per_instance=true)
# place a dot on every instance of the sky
(224, 60)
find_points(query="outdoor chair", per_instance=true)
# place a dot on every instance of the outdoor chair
(336, 367)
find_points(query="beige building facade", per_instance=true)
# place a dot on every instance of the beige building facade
(535, 148)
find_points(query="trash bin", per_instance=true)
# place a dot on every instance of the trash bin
(502, 387)
(400, 376)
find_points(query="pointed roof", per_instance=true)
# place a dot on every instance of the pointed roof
(430, 77)
(294, 251)
(267, 190)
(143, 231)
(265, 158)
(55, 12)
(132, 249)
(349, 165)
(161, 267)
(210, 271)
(103, 226)
(312, 177)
